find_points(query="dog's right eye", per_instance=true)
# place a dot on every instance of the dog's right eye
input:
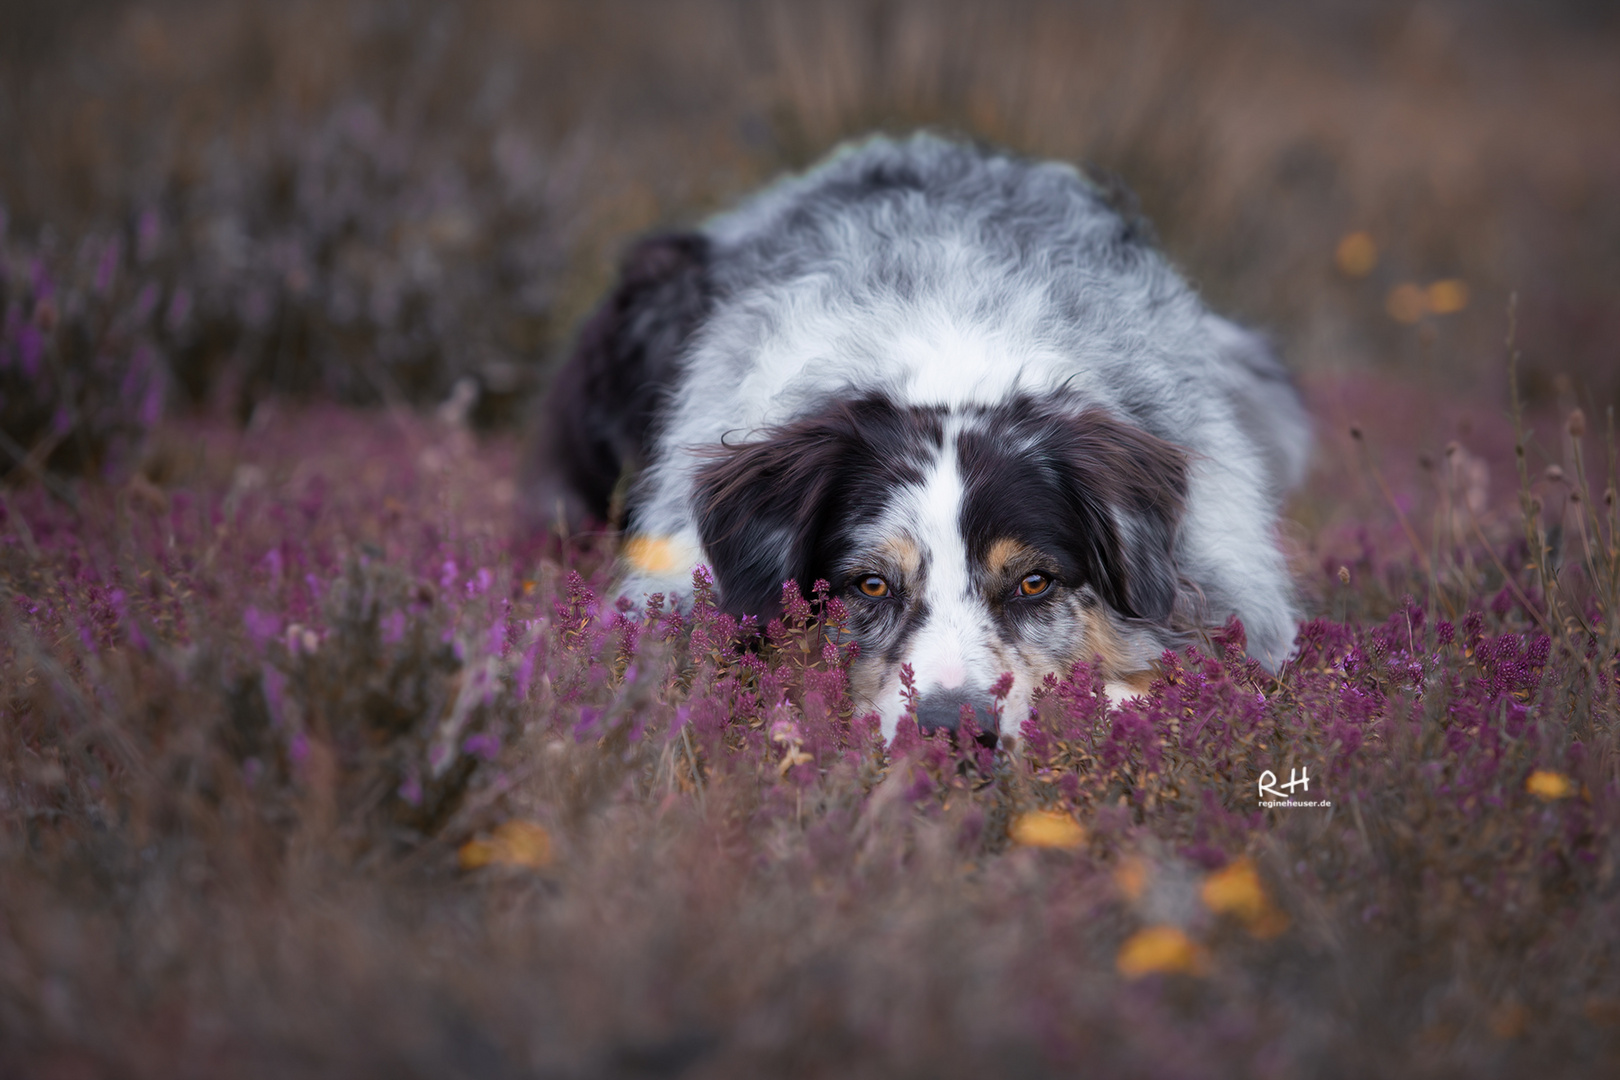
(1034, 585)
(874, 586)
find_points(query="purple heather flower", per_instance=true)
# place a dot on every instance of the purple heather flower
(586, 725)
(274, 685)
(179, 312)
(261, 626)
(151, 409)
(30, 348)
(107, 267)
(43, 287)
(483, 745)
(146, 302)
(393, 627)
(148, 234)
(525, 672)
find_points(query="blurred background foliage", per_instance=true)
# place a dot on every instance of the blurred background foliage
(209, 203)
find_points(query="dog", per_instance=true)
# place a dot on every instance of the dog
(964, 389)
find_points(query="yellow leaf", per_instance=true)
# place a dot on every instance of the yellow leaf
(1356, 254)
(523, 844)
(1447, 297)
(1047, 829)
(1548, 785)
(1160, 949)
(1236, 890)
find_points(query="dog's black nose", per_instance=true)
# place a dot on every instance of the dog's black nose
(941, 710)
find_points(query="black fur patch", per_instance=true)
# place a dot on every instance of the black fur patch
(784, 507)
(601, 414)
(1098, 495)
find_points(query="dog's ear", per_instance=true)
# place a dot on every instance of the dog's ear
(761, 509)
(1128, 488)
(599, 415)
(775, 508)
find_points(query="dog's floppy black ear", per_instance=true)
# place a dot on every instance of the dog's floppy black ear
(761, 508)
(1131, 487)
(775, 509)
(599, 416)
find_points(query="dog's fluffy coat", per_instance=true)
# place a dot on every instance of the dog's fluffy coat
(962, 388)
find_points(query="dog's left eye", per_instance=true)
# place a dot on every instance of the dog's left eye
(874, 586)
(1034, 585)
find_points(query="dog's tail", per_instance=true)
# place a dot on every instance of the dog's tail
(1266, 403)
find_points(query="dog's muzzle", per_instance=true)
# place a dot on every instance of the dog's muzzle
(942, 710)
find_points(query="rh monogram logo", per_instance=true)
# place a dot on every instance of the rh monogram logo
(1297, 778)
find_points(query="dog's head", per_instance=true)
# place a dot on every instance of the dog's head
(968, 543)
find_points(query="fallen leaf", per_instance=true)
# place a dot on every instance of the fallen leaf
(1447, 297)
(1548, 785)
(523, 844)
(1161, 950)
(1047, 829)
(1356, 254)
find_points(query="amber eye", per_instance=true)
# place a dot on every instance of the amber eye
(1034, 585)
(874, 586)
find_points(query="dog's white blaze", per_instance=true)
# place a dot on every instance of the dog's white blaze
(950, 649)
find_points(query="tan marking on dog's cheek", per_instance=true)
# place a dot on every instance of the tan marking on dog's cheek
(1102, 640)
(1003, 552)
